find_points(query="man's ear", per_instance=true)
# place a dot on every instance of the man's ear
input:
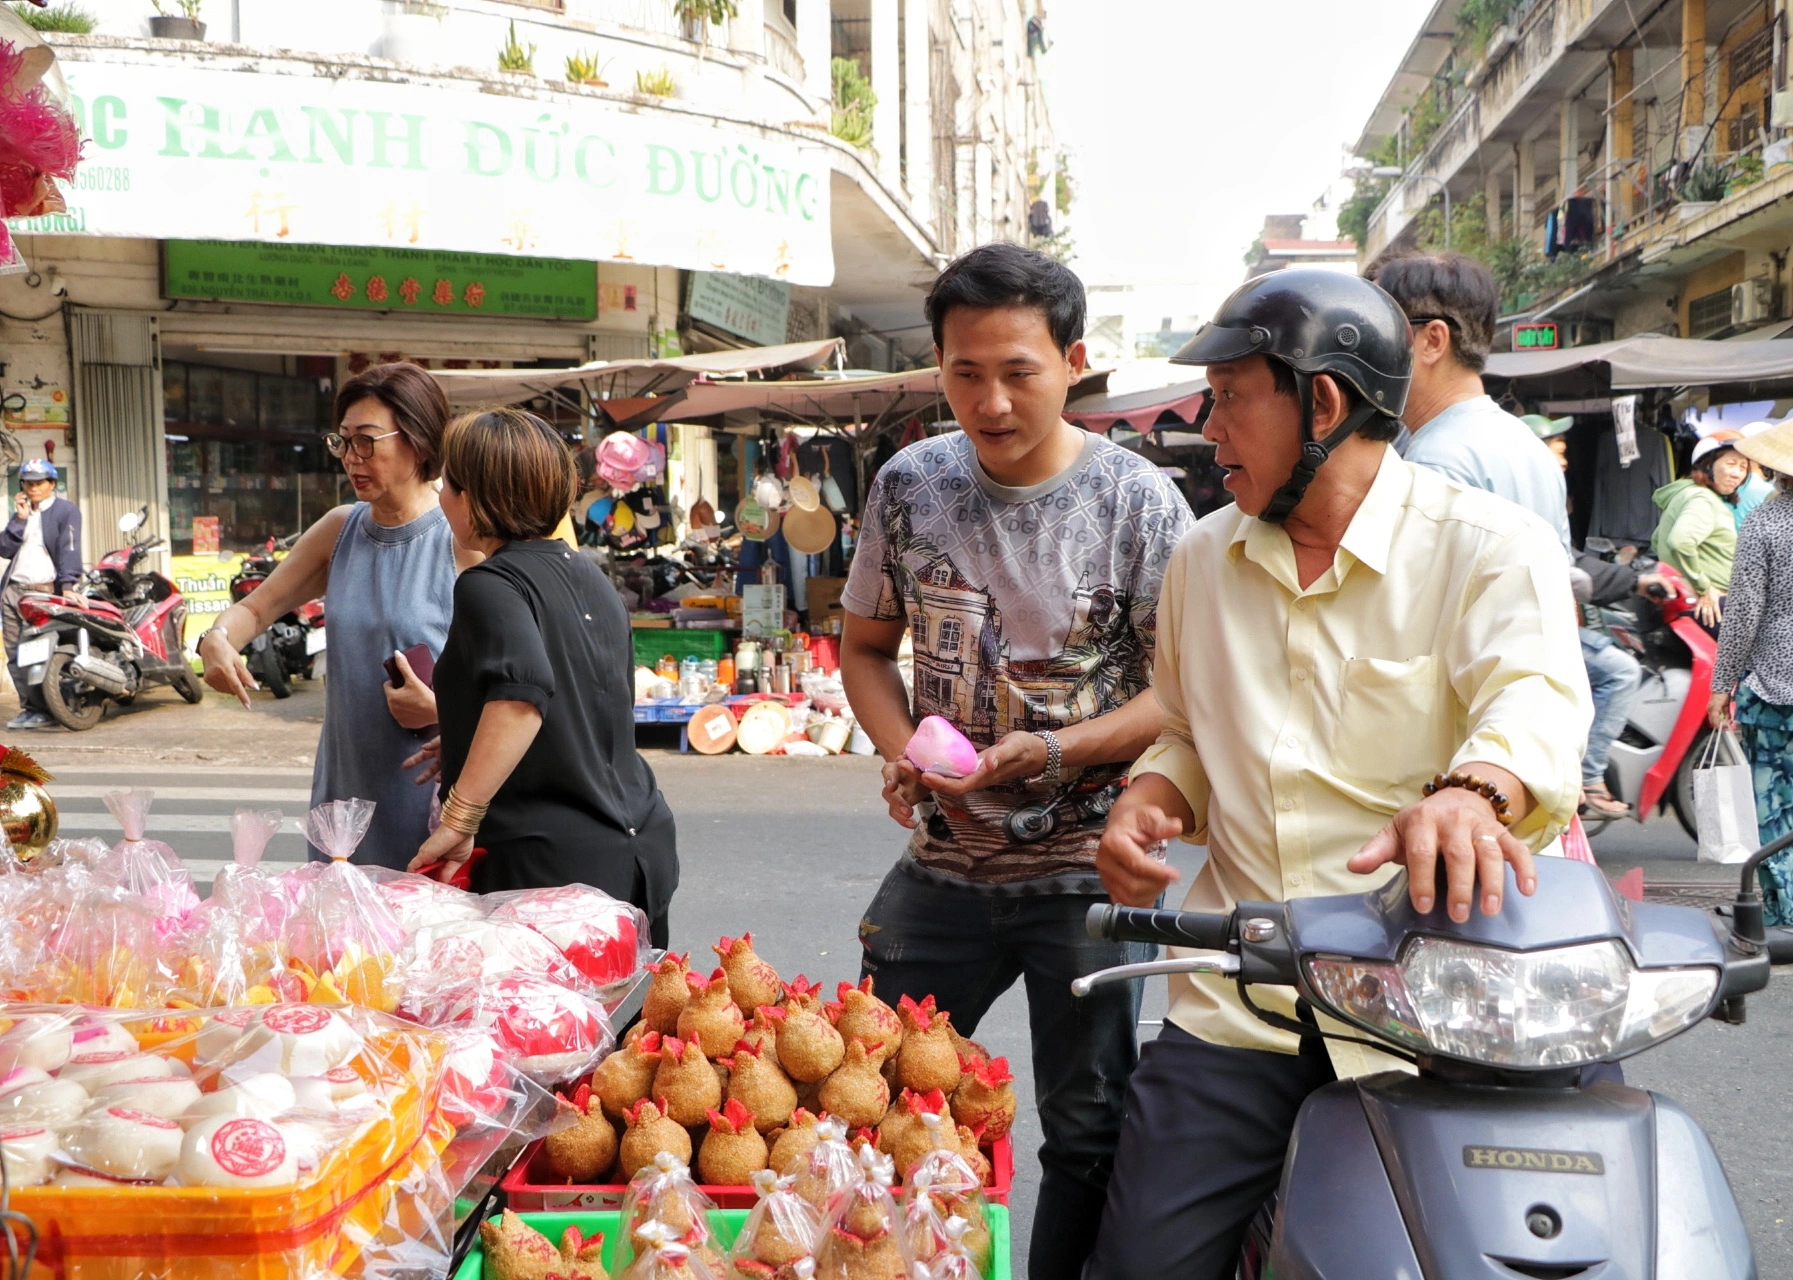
(1077, 356)
(1331, 405)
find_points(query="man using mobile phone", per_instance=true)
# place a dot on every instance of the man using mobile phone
(42, 546)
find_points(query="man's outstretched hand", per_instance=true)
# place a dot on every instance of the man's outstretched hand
(1457, 826)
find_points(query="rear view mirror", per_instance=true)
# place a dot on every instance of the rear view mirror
(130, 522)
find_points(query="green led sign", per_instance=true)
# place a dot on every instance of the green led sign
(1536, 337)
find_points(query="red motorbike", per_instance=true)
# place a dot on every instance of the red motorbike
(290, 647)
(1652, 761)
(123, 631)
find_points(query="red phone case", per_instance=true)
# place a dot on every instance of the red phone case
(423, 666)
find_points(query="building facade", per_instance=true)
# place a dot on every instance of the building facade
(313, 188)
(1624, 166)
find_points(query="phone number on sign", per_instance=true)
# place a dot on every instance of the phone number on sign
(102, 177)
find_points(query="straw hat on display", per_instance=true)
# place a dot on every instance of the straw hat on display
(809, 530)
(1772, 448)
(803, 493)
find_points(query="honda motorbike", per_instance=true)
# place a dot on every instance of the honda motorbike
(290, 647)
(123, 631)
(1496, 1159)
(1652, 761)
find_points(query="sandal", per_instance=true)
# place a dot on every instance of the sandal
(1602, 803)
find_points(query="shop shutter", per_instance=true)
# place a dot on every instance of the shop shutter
(118, 425)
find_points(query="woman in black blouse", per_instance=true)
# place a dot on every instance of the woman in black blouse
(535, 690)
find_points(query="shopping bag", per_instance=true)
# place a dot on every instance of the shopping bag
(1724, 800)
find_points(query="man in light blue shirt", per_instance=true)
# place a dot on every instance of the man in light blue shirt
(1455, 428)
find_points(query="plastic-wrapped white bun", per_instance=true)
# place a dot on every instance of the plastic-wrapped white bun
(55, 1103)
(126, 1143)
(313, 1093)
(19, 1078)
(27, 1151)
(259, 1097)
(93, 1071)
(41, 1040)
(165, 1096)
(345, 1084)
(76, 1176)
(98, 1036)
(223, 1029)
(309, 1141)
(237, 1151)
(296, 1040)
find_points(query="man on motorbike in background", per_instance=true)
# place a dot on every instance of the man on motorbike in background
(42, 547)
(1355, 626)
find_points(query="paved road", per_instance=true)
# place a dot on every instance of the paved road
(794, 849)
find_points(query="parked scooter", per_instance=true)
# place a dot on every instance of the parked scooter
(1652, 761)
(1495, 1160)
(123, 632)
(289, 647)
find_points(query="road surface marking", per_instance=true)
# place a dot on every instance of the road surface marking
(259, 795)
(160, 822)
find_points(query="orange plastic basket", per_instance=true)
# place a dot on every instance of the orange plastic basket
(275, 1233)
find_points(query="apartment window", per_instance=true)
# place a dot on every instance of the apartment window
(1709, 313)
(952, 632)
(918, 625)
(1752, 56)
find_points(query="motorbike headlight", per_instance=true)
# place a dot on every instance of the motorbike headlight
(1555, 1008)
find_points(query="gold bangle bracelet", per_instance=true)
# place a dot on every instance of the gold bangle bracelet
(462, 815)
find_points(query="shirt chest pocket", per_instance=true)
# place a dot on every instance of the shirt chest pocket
(1393, 730)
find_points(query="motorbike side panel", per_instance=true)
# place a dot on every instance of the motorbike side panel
(1339, 1219)
(1699, 1230)
(1690, 719)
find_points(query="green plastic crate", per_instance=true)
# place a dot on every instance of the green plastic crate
(651, 643)
(726, 1223)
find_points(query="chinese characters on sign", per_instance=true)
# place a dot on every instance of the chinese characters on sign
(748, 306)
(386, 279)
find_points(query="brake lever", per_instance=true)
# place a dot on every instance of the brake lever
(1227, 966)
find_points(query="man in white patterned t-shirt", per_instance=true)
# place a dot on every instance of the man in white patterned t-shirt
(1023, 557)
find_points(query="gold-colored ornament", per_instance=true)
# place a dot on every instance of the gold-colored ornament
(27, 813)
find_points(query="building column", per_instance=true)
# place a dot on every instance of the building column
(918, 163)
(887, 84)
(1568, 148)
(1623, 124)
(1491, 197)
(1693, 63)
(1525, 212)
(747, 29)
(815, 43)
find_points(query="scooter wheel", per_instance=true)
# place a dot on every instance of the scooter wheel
(270, 672)
(71, 704)
(189, 687)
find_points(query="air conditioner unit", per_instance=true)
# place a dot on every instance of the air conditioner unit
(1752, 302)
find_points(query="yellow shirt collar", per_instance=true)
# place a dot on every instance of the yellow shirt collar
(1367, 541)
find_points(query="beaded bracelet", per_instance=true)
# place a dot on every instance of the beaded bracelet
(1470, 782)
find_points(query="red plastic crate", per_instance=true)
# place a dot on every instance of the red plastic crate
(530, 1188)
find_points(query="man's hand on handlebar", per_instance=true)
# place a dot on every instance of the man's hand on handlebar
(1458, 827)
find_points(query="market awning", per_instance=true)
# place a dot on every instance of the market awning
(605, 379)
(1642, 362)
(853, 400)
(1141, 411)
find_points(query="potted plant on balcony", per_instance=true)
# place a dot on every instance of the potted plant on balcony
(184, 25)
(514, 56)
(411, 31)
(657, 83)
(587, 69)
(853, 104)
(698, 16)
(1700, 188)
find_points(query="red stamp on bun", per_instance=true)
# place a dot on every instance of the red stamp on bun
(296, 1019)
(141, 1117)
(248, 1148)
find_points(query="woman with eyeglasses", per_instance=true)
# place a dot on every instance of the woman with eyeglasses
(388, 563)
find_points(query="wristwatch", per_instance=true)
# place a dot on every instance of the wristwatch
(1051, 775)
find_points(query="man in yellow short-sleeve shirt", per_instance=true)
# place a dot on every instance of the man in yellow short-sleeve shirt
(1352, 627)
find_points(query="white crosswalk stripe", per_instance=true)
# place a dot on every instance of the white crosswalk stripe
(103, 822)
(164, 795)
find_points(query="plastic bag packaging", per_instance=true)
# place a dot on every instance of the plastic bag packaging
(341, 933)
(242, 887)
(419, 901)
(862, 1235)
(943, 1187)
(547, 1032)
(606, 939)
(88, 851)
(468, 950)
(101, 945)
(780, 1232)
(663, 1257)
(831, 1166)
(663, 1195)
(955, 1261)
(147, 867)
(359, 1162)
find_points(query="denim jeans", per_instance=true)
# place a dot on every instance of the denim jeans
(966, 948)
(1614, 676)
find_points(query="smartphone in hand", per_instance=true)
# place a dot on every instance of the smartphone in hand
(423, 666)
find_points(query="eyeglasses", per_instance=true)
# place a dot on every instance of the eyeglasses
(362, 446)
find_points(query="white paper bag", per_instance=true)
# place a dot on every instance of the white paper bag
(1724, 801)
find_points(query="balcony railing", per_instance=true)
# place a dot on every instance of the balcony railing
(781, 51)
(657, 17)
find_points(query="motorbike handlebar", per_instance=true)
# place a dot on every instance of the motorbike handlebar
(1201, 930)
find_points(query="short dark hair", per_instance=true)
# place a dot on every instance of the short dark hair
(1007, 275)
(516, 472)
(419, 409)
(1381, 427)
(1449, 287)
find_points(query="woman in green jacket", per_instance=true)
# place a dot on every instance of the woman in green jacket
(1697, 535)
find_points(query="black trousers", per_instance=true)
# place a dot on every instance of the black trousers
(1201, 1151)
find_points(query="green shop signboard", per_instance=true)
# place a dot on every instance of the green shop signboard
(285, 155)
(437, 282)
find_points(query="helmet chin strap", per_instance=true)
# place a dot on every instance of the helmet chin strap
(1313, 452)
